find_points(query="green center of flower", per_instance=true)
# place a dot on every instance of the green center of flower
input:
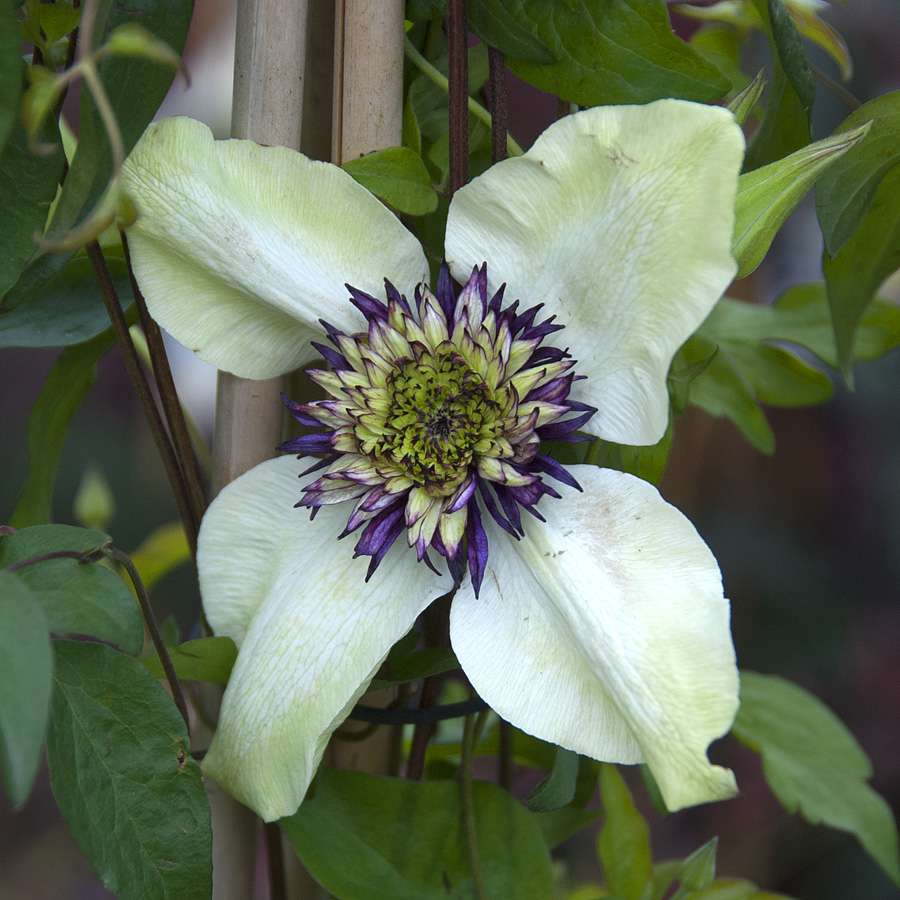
(439, 411)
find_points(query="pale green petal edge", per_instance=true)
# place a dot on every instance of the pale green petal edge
(618, 219)
(605, 630)
(240, 249)
(311, 633)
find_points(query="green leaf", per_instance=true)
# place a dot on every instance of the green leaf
(814, 765)
(800, 316)
(204, 659)
(766, 196)
(72, 376)
(698, 870)
(844, 193)
(163, 550)
(10, 69)
(723, 390)
(135, 88)
(76, 597)
(26, 668)
(624, 841)
(558, 825)
(854, 275)
(398, 176)
(745, 102)
(28, 184)
(369, 838)
(647, 463)
(613, 51)
(67, 309)
(497, 28)
(558, 788)
(786, 124)
(401, 668)
(57, 19)
(121, 774)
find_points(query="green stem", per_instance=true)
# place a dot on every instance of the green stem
(471, 732)
(439, 79)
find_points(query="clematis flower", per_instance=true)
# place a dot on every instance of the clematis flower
(597, 620)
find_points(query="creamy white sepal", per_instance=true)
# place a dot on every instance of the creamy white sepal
(605, 631)
(310, 632)
(240, 249)
(619, 219)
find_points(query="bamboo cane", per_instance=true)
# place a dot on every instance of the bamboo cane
(268, 104)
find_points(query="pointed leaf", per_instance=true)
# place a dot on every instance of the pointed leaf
(814, 765)
(699, 869)
(786, 124)
(855, 273)
(613, 51)
(845, 192)
(368, 838)
(766, 196)
(76, 597)
(624, 841)
(26, 675)
(398, 176)
(558, 788)
(558, 825)
(121, 774)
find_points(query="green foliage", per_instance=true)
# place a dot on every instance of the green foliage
(368, 838)
(72, 376)
(26, 667)
(10, 69)
(751, 367)
(786, 124)
(558, 788)
(67, 309)
(203, 659)
(121, 774)
(612, 51)
(490, 20)
(814, 765)
(76, 597)
(854, 275)
(766, 196)
(28, 184)
(648, 463)
(844, 194)
(624, 842)
(398, 176)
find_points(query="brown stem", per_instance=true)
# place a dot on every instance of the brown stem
(275, 855)
(504, 755)
(497, 104)
(458, 99)
(165, 384)
(142, 389)
(415, 765)
(155, 636)
(54, 554)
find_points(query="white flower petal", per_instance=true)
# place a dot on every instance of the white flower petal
(311, 634)
(240, 249)
(605, 631)
(620, 220)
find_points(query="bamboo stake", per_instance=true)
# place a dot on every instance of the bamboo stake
(268, 104)
(368, 115)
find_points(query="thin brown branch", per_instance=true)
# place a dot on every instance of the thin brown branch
(165, 385)
(275, 855)
(153, 628)
(142, 389)
(497, 104)
(458, 99)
